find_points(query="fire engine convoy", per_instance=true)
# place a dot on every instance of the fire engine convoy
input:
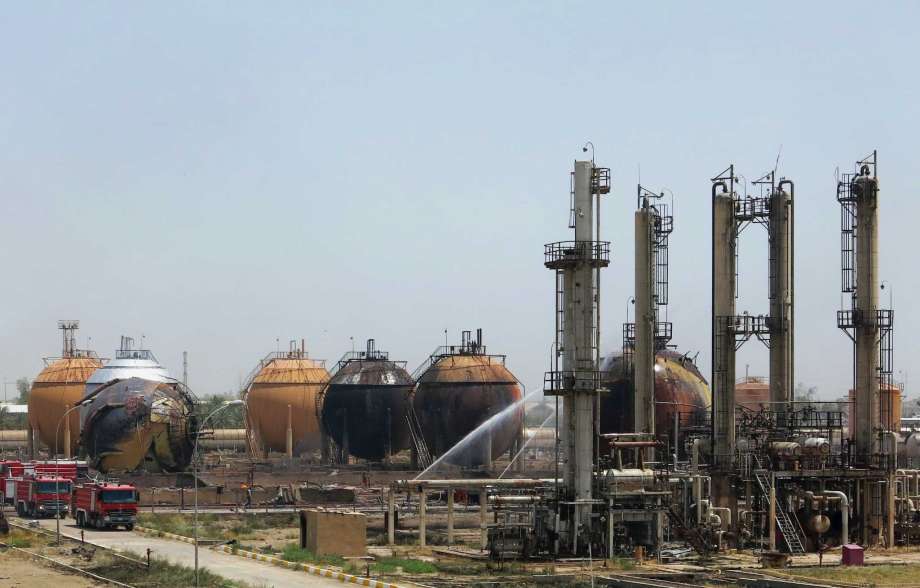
(49, 489)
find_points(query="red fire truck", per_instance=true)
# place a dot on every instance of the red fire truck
(42, 496)
(104, 504)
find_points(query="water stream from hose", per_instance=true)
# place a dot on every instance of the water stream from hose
(486, 427)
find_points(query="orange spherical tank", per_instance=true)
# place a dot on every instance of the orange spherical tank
(457, 394)
(54, 391)
(753, 393)
(679, 387)
(286, 380)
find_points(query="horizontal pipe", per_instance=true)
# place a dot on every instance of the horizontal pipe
(472, 483)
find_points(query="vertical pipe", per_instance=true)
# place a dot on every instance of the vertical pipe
(450, 516)
(772, 517)
(31, 441)
(644, 356)
(391, 517)
(723, 343)
(67, 454)
(289, 438)
(422, 517)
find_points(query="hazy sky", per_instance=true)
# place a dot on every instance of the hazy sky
(216, 175)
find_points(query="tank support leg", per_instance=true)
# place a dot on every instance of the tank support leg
(422, 517)
(391, 517)
(450, 516)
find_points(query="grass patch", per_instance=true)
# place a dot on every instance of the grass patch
(884, 574)
(161, 573)
(293, 552)
(214, 526)
(389, 565)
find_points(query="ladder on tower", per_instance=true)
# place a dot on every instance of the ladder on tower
(790, 530)
(848, 235)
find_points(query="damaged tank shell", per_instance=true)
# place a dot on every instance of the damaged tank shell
(457, 394)
(55, 390)
(286, 379)
(137, 421)
(364, 407)
(679, 386)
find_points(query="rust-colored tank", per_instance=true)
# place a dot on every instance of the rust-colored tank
(364, 406)
(679, 386)
(459, 388)
(889, 402)
(284, 379)
(753, 393)
(57, 388)
(139, 422)
(54, 391)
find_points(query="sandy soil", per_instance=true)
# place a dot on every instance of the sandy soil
(20, 571)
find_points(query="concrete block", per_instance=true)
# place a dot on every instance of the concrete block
(330, 532)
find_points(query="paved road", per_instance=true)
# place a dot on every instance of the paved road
(229, 566)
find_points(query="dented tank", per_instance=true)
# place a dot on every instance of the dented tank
(459, 388)
(679, 387)
(364, 406)
(138, 422)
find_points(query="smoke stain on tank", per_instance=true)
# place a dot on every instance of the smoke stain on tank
(133, 422)
(136, 415)
(461, 387)
(679, 386)
(364, 405)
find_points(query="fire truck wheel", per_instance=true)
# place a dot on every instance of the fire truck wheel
(129, 527)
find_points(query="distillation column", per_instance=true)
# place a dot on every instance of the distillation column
(577, 379)
(724, 243)
(644, 355)
(782, 323)
(864, 189)
(578, 356)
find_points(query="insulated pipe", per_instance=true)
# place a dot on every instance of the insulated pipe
(844, 511)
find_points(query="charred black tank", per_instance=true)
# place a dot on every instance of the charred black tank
(364, 405)
(459, 388)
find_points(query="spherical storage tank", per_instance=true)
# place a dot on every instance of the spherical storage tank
(136, 415)
(282, 380)
(364, 406)
(57, 389)
(679, 386)
(460, 388)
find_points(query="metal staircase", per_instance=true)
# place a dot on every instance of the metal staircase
(693, 536)
(418, 440)
(791, 530)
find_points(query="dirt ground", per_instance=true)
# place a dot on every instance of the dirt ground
(21, 571)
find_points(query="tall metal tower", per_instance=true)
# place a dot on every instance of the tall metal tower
(653, 224)
(577, 266)
(69, 335)
(867, 325)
